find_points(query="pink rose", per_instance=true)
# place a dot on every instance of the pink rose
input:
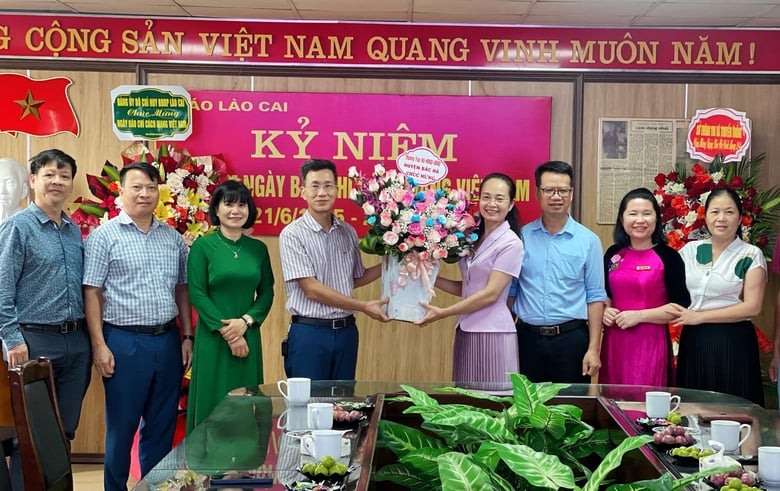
(415, 228)
(390, 238)
(368, 209)
(403, 247)
(385, 219)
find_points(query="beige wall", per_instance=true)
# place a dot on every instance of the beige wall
(398, 351)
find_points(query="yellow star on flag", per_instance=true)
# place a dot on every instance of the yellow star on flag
(30, 106)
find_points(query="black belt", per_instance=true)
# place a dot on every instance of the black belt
(63, 328)
(554, 330)
(155, 330)
(329, 323)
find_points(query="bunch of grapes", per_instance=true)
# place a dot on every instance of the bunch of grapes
(673, 435)
(733, 480)
(344, 414)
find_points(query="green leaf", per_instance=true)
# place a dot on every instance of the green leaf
(401, 439)
(425, 460)
(474, 426)
(539, 469)
(613, 459)
(110, 171)
(419, 397)
(524, 395)
(94, 210)
(547, 391)
(503, 400)
(406, 476)
(594, 442)
(459, 473)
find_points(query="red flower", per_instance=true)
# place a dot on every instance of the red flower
(168, 163)
(660, 180)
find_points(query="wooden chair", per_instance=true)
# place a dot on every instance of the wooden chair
(43, 448)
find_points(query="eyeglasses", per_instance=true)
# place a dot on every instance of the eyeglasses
(328, 188)
(550, 192)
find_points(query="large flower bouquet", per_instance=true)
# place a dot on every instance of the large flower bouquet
(405, 219)
(187, 183)
(681, 195)
(413, 228)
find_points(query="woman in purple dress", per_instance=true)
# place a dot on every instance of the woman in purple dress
(485, 337)
(643, 276)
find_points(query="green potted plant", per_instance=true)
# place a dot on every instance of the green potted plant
(529, 444)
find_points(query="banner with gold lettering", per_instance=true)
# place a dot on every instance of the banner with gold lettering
(266, 136)
(260, 42)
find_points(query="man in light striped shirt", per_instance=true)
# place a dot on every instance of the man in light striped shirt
(321, 265)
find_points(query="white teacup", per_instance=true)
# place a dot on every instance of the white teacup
(658, 404)
(298, 390)
(727, 433)
(293, 418)
(320, 415)
(769, 464)
(322, 443)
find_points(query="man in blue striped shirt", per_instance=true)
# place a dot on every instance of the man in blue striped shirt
(135, 286)
(321, 265)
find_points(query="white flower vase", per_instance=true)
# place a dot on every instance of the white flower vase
(407, 282)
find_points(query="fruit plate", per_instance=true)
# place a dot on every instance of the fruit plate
(684, 461)
(310, 485)
(759, 485)
(332, 479)
(659, 429)
(648, 424)
(665, 447)
(350, 415)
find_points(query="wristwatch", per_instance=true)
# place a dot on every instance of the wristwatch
(248, 319)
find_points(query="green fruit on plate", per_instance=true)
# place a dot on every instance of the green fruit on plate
(309, 468)
(338, 470)
(674, 418)
(321, 470)
(328, 461)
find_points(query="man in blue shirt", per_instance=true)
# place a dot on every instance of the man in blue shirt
(135, 286)
(559, 296)
(41, 304)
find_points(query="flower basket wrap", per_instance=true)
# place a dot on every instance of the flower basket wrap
(407, 281)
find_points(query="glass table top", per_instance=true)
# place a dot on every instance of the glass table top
(245, 437)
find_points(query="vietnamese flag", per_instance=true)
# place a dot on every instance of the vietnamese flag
(36, 107)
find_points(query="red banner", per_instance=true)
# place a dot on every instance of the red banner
(36, 107)
(266, 136)
(389, 45)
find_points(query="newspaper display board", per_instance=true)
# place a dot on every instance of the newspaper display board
(631, 153)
